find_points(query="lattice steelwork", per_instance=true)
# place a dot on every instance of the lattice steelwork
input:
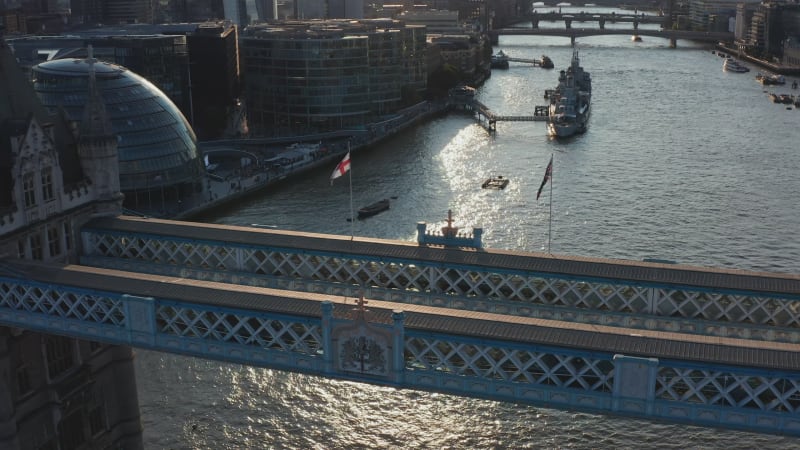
(243, 329)
(55, 301)
(753, 398)
(780, 393)
(470, 283)
(509, 364)
(727, 307)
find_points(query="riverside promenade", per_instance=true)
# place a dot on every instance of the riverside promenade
(233, 180)
(772, 67)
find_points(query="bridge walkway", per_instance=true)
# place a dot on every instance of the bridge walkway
(713, 347)
(643, 295)
(688, 378)
(486, 117)
(426, 319)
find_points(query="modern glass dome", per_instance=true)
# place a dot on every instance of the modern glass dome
(157, 146)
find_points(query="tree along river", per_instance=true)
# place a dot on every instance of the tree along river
(682, 161)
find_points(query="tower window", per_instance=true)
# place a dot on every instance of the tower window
(28, 189)
(97, 417)
(60, 358)
(36, 246)
(23, 379)
(71, 433)
(47, 184)
(68, 235)
(53, 242)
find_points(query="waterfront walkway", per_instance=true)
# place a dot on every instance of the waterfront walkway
(233, 182)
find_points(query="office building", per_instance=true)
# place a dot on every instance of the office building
(112, 12)
(345, 9)
(309, 77)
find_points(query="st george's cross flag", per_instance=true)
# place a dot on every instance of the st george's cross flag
(341, 168)
(548, 173)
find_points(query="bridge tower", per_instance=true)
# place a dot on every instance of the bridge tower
(97, 148)
(56, 391)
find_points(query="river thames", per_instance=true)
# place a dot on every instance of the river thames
(682, 161)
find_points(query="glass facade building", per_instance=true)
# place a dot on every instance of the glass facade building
(157, 147)
(316, 76)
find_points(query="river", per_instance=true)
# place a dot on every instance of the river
(682, 161)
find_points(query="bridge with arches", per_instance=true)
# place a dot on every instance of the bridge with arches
(602, 19)
(649, 339)
(573, 33)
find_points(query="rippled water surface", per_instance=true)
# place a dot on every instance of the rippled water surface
(682, 161)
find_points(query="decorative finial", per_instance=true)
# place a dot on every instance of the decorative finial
(449, 230)
(361, 310)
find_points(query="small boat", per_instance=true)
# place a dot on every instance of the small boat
(499, 60)
(498, 182)
(731, 65)
(375, 208)
(636, 38)
(546, 62)
(769, 79)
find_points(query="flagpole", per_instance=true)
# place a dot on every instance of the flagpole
(550, 226)
(352, 217)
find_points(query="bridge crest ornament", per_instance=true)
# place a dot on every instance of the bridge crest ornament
(361, 347)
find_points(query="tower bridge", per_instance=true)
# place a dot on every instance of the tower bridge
(653, 340)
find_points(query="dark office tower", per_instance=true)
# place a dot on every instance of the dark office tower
(345, 9)
(236, 12)
(41, 6)
(267, 9)
(214, 62)
(128, 11)
(200, 10)
(112, 12)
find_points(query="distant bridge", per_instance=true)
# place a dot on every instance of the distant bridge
(574, 33)
(602, 19)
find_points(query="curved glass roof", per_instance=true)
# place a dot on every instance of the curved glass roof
(157, 146)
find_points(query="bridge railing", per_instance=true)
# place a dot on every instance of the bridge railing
(748, 314)
(386, 351)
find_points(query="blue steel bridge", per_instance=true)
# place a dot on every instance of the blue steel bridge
(651, 340)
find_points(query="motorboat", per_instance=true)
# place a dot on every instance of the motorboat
(786, 99)
(636, 38)
(769, 79)
(499, 60)
(498, 182)
(373, 209)
(546, 62)
(570, 102)
(731, 65)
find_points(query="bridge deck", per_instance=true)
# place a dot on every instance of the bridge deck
(635, 271)
(632, 342)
